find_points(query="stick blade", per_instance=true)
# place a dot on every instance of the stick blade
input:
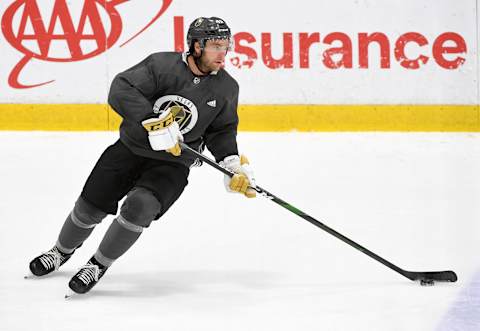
(437, 276)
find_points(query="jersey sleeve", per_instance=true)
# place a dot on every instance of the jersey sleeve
(131, 90)
(221, 135)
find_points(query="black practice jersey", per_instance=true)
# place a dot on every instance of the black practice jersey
(209, 106)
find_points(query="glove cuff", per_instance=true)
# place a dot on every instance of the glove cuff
(232, 163)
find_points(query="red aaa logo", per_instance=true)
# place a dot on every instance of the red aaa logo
(72, 35)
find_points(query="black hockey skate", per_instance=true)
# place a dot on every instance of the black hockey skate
(87, 277)
(49, 261)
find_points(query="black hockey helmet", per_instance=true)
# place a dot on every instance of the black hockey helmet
(207, 28)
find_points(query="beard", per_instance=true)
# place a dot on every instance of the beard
(207, 66)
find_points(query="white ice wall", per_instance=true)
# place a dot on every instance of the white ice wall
(87, 81)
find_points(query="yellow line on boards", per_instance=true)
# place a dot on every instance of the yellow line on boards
(271, 118)
(420, 118)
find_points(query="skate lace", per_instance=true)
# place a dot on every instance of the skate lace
(90, 272)
(51, 259)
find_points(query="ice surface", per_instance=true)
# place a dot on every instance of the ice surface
(218, 261)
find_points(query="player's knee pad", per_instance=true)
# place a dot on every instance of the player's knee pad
(140, 207)
(85, 215)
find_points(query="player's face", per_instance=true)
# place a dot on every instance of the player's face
(213, 57)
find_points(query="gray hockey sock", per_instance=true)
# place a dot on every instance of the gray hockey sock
(78, 226)
(120, 236)
(71, 236)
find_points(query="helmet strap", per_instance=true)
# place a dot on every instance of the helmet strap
(196, 59)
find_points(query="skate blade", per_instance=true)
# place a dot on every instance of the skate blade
(70, 294)
(29, 275)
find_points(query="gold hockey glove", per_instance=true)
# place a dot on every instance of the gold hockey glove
(164, 133)
(243, 181)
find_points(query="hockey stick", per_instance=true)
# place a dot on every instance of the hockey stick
(425, 278)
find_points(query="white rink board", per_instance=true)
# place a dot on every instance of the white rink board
(87, 81)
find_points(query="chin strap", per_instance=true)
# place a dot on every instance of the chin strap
(196, 60)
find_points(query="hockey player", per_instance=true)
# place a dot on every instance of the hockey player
(165, 99)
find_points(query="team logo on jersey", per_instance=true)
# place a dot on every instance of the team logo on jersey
(184, 111)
